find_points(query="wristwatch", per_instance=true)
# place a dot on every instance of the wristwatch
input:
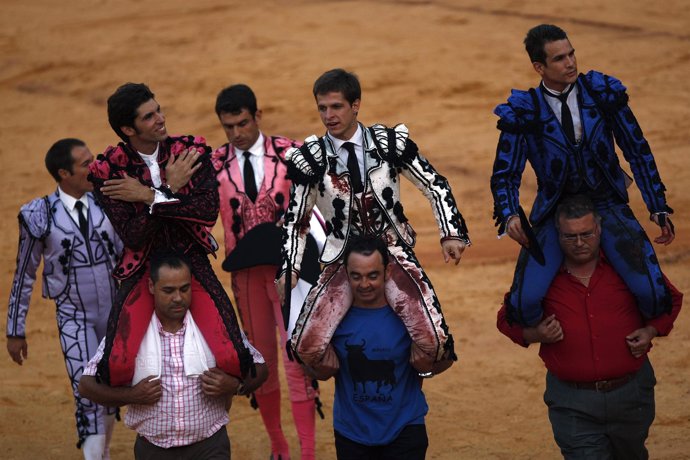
(425, 375)
(240, 389)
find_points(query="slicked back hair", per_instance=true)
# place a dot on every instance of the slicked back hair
(235, 98)
(59, 156)
(538, 37)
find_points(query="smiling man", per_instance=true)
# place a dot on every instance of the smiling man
(254, 190)
(79, 248)
(352, 174)
(594, 343)
(379, 407)
(159, 192)
(566, 128)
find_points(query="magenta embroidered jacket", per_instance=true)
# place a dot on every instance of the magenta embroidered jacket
(180, 224)
(237, 212)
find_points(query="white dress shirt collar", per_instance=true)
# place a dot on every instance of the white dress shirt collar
(257, 149)
(69, 201)
(357, 139)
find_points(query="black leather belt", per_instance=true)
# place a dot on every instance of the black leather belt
(602, 386)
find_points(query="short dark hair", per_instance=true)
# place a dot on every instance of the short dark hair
(538, 37)
(123, 105)
(574, 207)
(339, 81)
(59, 156)
(235, 98)
(168, 259)
(366, 245)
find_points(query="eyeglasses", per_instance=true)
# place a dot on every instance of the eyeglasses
(572, 238)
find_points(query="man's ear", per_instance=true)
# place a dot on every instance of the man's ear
(150, 285)
(257, 116)
(128, 131)
(355, 106)
(539, 68)
(64, 174)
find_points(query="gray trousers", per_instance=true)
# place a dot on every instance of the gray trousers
(591, 425)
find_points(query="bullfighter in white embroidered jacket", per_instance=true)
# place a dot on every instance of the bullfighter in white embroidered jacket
(327, 172)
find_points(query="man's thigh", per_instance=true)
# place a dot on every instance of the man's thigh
(630, 413)
(578, 421)
(411, 444)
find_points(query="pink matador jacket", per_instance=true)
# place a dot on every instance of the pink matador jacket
(237, 212)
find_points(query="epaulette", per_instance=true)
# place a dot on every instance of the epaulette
(520, 115)
(608, 92)
(405, 149)
(307, 164)
(35, 217)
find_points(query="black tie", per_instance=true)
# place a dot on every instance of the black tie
(249, 179)
(353, 167)
(83, 223)
(566, 116)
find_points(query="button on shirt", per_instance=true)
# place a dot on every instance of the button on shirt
(358, 140)
(257, 151)
(69, 202)
(555, 105)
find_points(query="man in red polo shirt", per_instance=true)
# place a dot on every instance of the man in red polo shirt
(594, 344)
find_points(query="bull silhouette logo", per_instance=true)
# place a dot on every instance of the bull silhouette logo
(363, 369)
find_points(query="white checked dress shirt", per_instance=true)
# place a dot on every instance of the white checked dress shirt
(184, 415)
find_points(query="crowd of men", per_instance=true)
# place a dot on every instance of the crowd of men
(144, 321)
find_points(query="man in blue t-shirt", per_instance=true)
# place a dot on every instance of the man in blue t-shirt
(379, 406)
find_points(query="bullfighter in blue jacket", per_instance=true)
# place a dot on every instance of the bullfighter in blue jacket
(566, 129)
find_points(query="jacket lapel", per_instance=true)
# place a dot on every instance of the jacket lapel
(552, 127)
(234, 174)
(271, 162)
(590, 116)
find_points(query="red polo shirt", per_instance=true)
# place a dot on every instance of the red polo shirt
(595, 320)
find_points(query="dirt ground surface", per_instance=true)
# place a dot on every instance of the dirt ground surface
(440, 67)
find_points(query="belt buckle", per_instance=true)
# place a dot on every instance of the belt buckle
(602, 385)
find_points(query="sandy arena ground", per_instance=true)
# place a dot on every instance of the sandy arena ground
(440, 67)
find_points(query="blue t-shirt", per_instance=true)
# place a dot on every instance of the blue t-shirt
(377, 391)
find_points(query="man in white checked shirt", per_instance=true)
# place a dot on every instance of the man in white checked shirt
(179, 409)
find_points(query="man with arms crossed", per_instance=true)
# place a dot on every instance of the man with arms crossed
(178, 400)
(594, 343)
(79, 248)
(160, 193)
